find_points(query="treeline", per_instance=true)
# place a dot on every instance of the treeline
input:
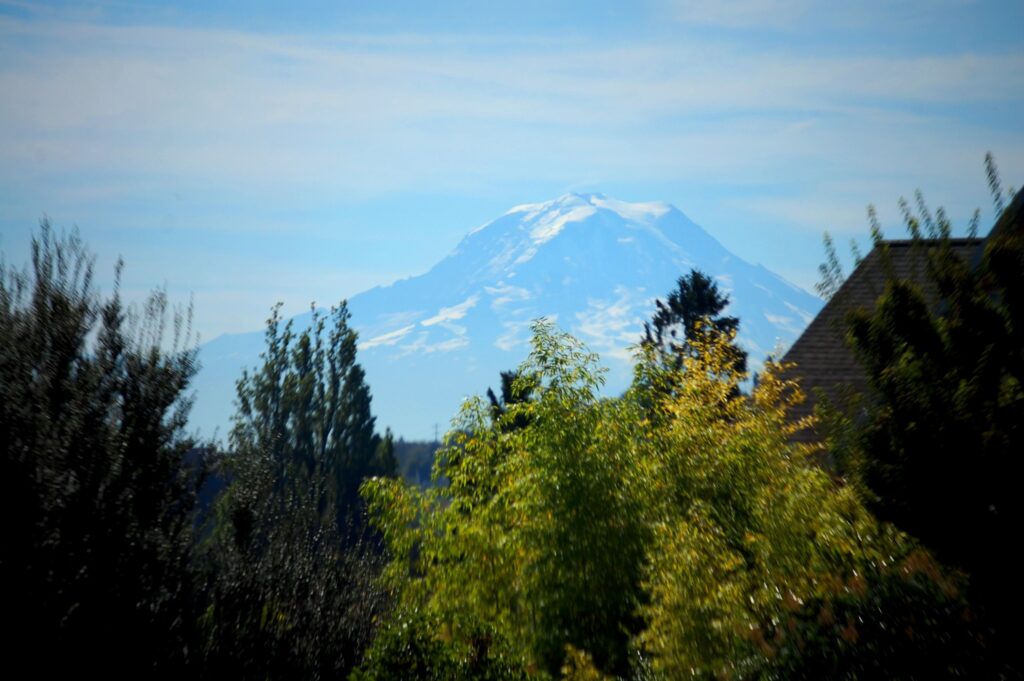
(416, 460)
(677, 530)
(131, 548)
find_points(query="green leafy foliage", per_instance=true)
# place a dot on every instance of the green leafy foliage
(939, 449)
(290, 567)
(511, 493)
(691, 311)
(831, 271)
(902, 620)
(308, 409)
(665, 533)
(745, 521)
(96, 490)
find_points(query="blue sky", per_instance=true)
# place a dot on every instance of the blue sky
(244, 153)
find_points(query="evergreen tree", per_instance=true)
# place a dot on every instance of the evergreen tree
(290, 565)
(690, 312)
(96, 491)
(514, 390)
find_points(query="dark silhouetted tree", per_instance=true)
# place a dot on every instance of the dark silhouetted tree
(690, 311)
(515, 390)
(290, 564)
(97, 496)
(308, 409)
(938, 447)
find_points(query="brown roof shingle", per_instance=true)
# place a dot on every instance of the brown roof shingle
(824, 360)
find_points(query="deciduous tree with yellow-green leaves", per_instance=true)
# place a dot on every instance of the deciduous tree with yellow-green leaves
(674, 531)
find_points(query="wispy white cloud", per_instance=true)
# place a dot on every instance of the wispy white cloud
(105, 115)
(504, 294)
(391, 338)
(794, 15)
(248, 110)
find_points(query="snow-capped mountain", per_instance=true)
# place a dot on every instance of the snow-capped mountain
(591, 263)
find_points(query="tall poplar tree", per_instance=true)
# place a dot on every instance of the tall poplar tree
(290, 564)
(308, 409)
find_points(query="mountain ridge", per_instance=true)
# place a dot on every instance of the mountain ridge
(592, 263)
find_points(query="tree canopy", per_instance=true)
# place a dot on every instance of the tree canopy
(689, 312)
(610, 536)
(96, 485)
(307, 408)
(937, 440)
(290, 565)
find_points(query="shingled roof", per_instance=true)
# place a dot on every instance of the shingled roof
(824, 360)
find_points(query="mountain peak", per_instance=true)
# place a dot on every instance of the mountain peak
(544, 221)
(627, 210)
(580, 197)
(592, 262)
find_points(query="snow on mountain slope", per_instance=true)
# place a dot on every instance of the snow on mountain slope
(592, 263)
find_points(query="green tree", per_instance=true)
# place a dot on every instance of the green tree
(289, 564)
(96, 487)
(510, 395)
(308, 409)
(938, 450)
(691, 311)
(532, 545)
(667, 533)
